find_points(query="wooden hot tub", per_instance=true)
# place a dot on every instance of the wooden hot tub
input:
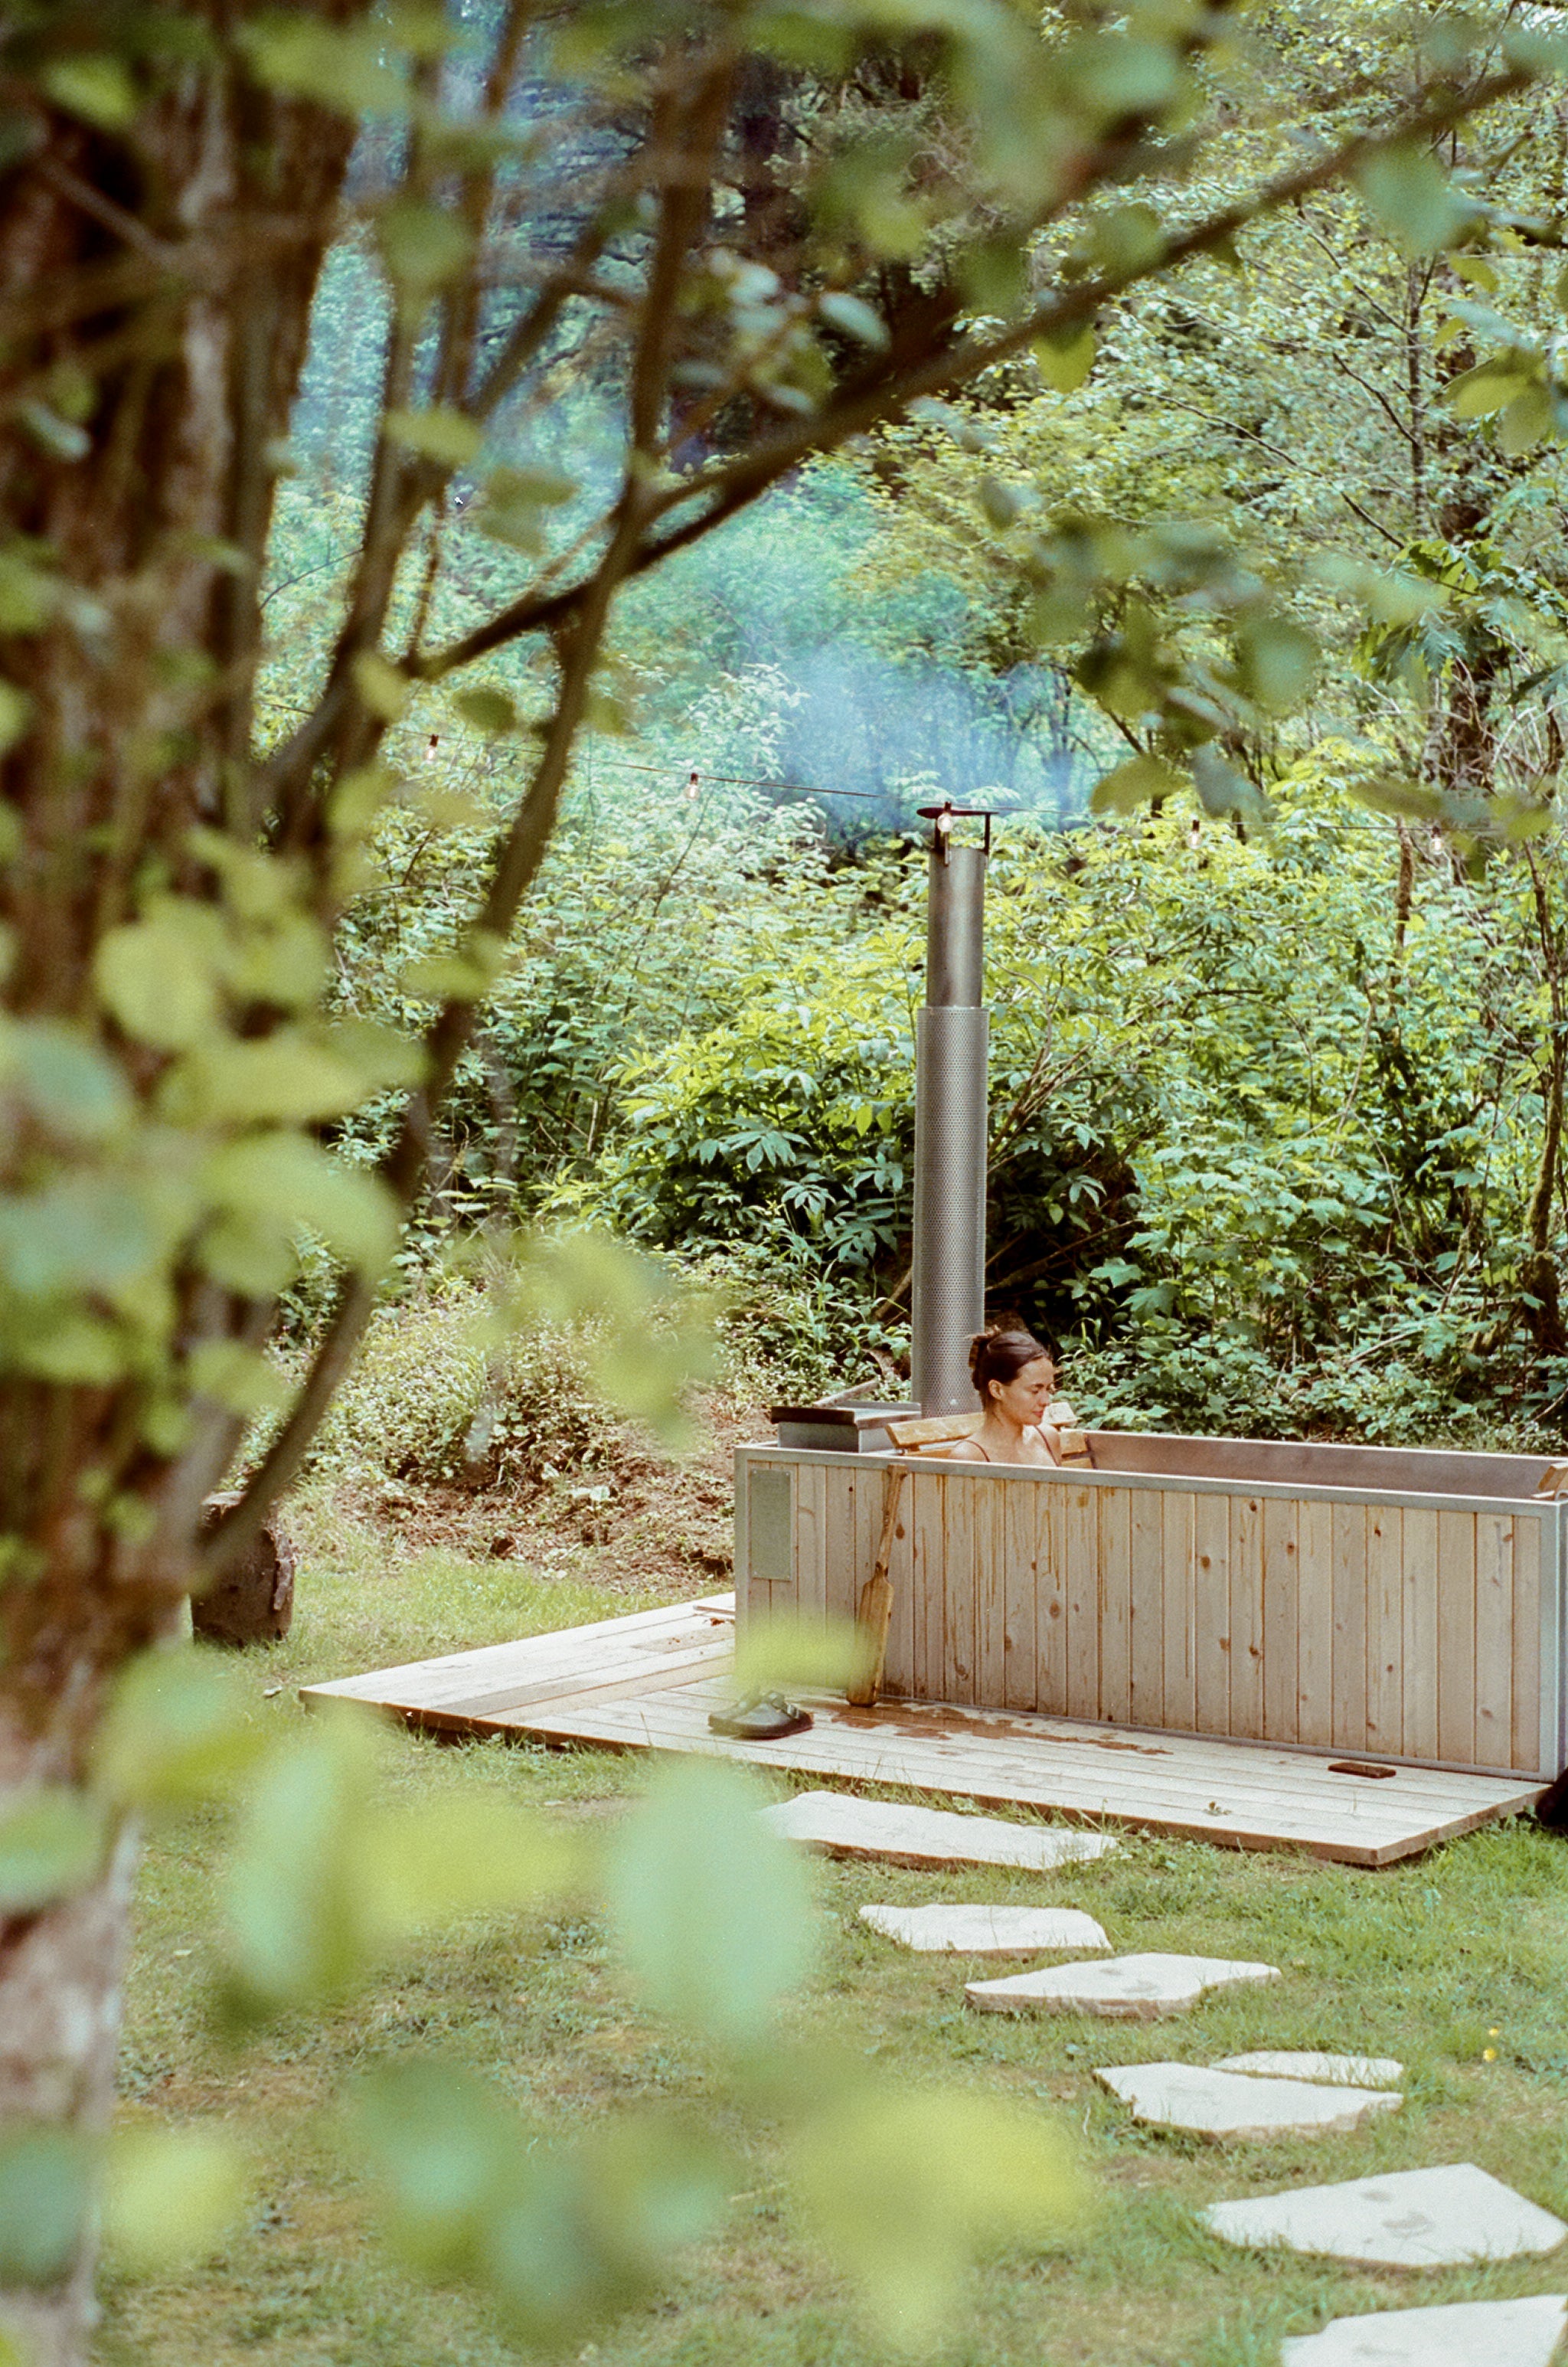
(1387, 1604)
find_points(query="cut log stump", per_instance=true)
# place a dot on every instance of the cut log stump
(252, 1603)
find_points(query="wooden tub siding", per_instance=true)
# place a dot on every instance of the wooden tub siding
(1426, 1631)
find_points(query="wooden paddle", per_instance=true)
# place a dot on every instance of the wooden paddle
(876, 1606)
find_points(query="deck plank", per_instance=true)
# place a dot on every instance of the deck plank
(1242, 1796)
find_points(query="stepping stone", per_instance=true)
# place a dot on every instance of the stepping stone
(845, 1827)
(1225, 2104)
(1465, 2334)
(986, 1931)
(1329, 2070)
(1128, 1988)
(1410, 2219)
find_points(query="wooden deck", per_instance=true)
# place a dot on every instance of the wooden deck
(649, 1682)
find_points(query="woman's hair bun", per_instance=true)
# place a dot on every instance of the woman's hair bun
(1000, 1353)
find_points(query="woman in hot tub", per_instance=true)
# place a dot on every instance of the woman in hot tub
(1015, 1380)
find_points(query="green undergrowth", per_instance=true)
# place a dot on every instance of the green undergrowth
(1443, 1962)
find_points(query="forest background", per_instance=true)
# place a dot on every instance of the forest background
(1225, 567)
(1278, 1052)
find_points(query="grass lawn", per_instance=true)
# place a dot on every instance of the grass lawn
(1423, 1962)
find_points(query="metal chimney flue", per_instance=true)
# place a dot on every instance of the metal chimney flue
(952, 1042)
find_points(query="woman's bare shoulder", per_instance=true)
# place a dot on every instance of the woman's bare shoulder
(965, 1450)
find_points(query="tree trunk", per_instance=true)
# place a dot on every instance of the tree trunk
(172, 276)
(60, 1986)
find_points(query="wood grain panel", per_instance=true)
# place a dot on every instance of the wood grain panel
(1115, 1604)
(990, 1593)
(1281, 1618)
(1246, 1616)
(841, 1590)
(1385, 1628)
(924, 1503)
(1081, 1510)
(961, 1515)
(1146, 1608)
(811, 1540)
(1494, 1641)
(1533, 1537)
(1456, 1637)
(1350, 1726)
(1180, 1596)
(1051, 1605)
(1021, 1508)
(1211, 1611)
(1418, 1627)
(1314, 1622)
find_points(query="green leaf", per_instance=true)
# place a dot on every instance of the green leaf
(1410, 195)
(180, 1728)
(853, 318)
(242, 1379)
(444, 2145)
(380, 684)
(902, 2190)
(283, 1183)
(1064, 358)
(419, 1866)
(1411, 800)
(440, 434)
(781, 1651)
(159, 977)
(95, 85)
(268, 1079)
(46, 2197)
(1530, 420)
(422, 245)
(16, 713)
(296, 1930)
(710, 1909)
(487, 707)
(1131, 785)
(1127, 239)
(170, 2196)
(73, 1089)
(1490, 387)
(340, 67)
(1276, 662)
(52, 1846)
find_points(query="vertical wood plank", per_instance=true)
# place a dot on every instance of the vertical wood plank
(1211, 1611)
(1281, 1611)
(1051, 1602)
(1385, 1628)
(958, 1572)
(1456, 1635)
(1018, 1604)
(1082, 1548)
(1418, 1596)
(840, 1582)
(1115, 1604)
(1351, 1723)
(1494, 1639)
(1314, 1622)
(990, 1593)
(1147, 1607)
(1533, 1541)
(923, 1512)
(1178, 1597)
(1247, 1619)
(871, 1504)
(810, 1540)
